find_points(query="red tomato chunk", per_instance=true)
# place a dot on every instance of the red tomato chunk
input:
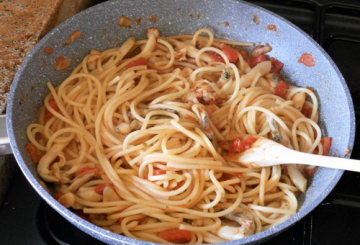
(307, 59)
(256, 60)
(276, 65)
(159, 171)
(176, 235)
(99, 189)
(139, 62)
(239, 145)
(54, 106)
(33, 152)
(216, 57)
(281, 89)
(326, 142)
(230, 53)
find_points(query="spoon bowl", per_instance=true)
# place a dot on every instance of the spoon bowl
(265, 152)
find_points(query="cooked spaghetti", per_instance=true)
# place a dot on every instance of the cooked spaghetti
(136, 139)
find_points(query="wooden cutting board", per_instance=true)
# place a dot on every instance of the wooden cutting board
(22, 24)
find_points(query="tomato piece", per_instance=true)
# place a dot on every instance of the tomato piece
(326, 142)
(225, 177)
(234, 144)
(216, 57)
(141, 221)
(247, 143)
(209, 102)
(230, 53)
(139, 62)
(310, 172)
(33, 152)
(256, 60)
(62, 63)
(48, 50)
(310, 88)
(272, 28)
(244, 54)
(180, 184)
(239, 145)
(176, 235)
(307, 112)
(53, 105)
(99, 189)
(159, 171)
(83, 171)
(281, 89)
(307, 59)
(74, 35)
(276, 65)
(57, 195)
(86, 170)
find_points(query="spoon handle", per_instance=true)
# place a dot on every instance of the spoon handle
(265, 152)
(295, 157)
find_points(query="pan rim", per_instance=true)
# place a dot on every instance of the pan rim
(110, 237)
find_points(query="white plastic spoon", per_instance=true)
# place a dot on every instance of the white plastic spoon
(265, 152)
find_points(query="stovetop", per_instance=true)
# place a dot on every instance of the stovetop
(26, 219)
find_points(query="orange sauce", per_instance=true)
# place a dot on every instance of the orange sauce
(307, 59)
(153, 18)
(62, 63)
(124, 21)
(74, 35)
(48, 50)
(272, 28)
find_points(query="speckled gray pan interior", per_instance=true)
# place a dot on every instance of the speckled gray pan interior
(101, 31)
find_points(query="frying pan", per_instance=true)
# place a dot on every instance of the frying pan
(235, 20)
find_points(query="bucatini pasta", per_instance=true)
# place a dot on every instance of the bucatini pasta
(136, 138)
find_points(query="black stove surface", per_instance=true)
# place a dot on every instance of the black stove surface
(26, 219)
